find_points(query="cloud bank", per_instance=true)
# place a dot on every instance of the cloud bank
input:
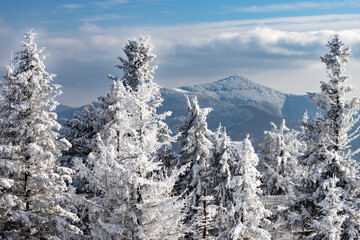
(282, 53)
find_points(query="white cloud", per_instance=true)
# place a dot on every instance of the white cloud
(279, 52)
(269, 50)
(280, 7)
(109, 3)
(297, 6)
(104, 17)
(71, 6)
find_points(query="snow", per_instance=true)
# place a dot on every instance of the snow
(6, 183)
(179, 90)
(328, 190)
(132, 184)
(242, 91)
(31, 182)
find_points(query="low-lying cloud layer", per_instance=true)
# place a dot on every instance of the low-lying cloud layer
(282, 53)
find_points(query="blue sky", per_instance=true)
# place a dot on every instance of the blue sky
(276, 43)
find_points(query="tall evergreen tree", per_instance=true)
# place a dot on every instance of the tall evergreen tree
(34, 201)
(249, 212)
(129, 200)
(279, 155)
(225, 160)
(328, 195)
(138, 77)
(279, 159)
(80, 132)
(197, 154)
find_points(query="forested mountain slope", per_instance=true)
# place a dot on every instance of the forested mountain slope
(239, 104)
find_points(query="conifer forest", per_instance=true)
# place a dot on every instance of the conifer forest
(117, 171)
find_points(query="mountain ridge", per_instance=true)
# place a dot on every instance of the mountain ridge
(240, 113)
(241, 90)
(239, 104)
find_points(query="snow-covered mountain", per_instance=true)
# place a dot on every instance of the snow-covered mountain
(239, 104)
(242, 91)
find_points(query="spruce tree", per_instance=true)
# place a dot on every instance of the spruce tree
(80, 130)
(129, 200)
(195, 184)
(225, 159)
(328, 194)
(104, 199)
(279, 160)
(34, 193)
(279, 157)
(138, 76)
(249, 212)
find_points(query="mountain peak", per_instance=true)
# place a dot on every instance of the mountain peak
(234, 82)
(242, 91)
(231, 83)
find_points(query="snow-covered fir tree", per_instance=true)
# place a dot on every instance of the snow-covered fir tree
(331, 205)
(279, 157)
(279, 160)
(80, 130)
(34, 194)
(225, 159)
(328, 199)
(137, 69)
(129, 200)
(138, 77)
(195, 184)
(249, 212)
(104, 192)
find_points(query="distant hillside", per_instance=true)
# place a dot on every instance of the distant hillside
(242, 91)
(239, 104)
